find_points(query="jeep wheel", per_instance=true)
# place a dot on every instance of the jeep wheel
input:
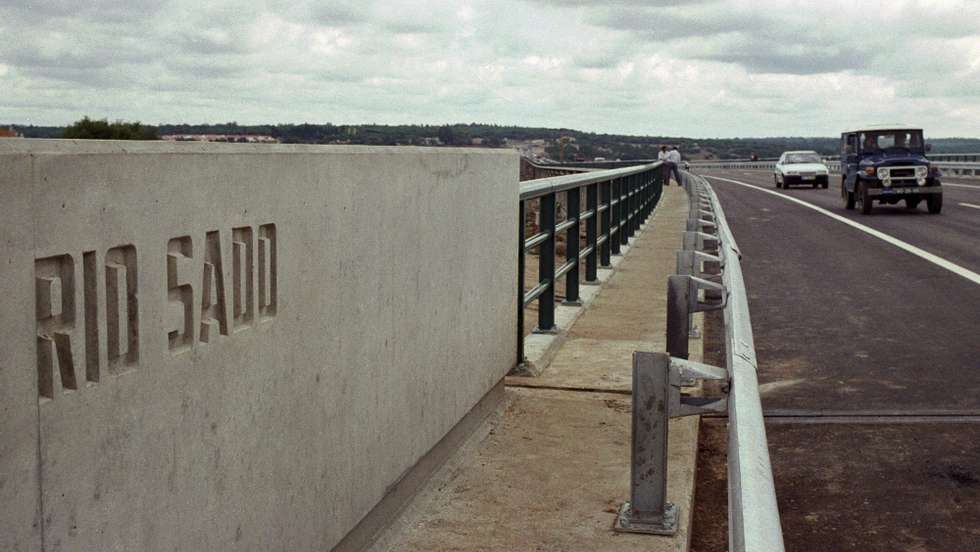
(935, 203)
(825, 184)
(866, 201)
(848, 197)
(912, 203)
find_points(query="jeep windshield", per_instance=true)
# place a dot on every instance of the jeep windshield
(891, 141)
(800, 158)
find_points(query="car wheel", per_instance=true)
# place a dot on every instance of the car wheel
(912, 203)
(935, 203)
(775, 180)
(848, 196)
(866, 201)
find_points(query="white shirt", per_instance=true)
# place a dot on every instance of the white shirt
(673, 156)
(661, 155)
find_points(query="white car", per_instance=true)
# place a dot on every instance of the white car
(800, 167)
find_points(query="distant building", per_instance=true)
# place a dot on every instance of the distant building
(10, 133)
(235, 138)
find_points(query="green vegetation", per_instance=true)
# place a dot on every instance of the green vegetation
(582, 145)
(102, 129)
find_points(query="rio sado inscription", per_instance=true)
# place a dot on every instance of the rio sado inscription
(104, 313)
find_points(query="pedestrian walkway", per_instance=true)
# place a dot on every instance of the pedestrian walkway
(549, 470)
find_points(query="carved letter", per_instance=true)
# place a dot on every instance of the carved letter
(243, 269)
(122, 307)
(214, 316)
(267, 270)
(180, 294)
(93, 352)
(55, 321)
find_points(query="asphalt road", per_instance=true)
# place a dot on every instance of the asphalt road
(869, 365)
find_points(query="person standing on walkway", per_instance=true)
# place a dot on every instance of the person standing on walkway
(665, 167)
(673, 165)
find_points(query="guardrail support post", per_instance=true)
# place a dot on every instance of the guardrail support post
(573, 199)
(641, 203)
(605, 250)
(616, 216)
(546, 266)
(592, 204)
(520, 282)
(624, 212)
(657, 381)
(648, 510)
(631, 218)
(638, 203)
(648, 196)
(682, 302)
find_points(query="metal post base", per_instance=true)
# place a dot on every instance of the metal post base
(567, 303)
(665, 525)
(551, 331)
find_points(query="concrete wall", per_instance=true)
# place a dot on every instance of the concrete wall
(235, 347)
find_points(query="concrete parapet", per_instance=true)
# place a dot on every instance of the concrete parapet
(217, 347)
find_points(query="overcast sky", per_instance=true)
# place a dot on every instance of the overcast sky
(662, 67)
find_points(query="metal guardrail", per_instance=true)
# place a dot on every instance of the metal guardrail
(710, 278)
(957, 168)
(616, 203)
(733, 164)
(956, 157)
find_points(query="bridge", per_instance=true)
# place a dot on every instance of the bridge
(256, 347)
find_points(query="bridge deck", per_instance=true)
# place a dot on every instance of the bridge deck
(550, 469)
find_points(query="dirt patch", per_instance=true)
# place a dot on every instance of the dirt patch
(709, 525)
(619, 405)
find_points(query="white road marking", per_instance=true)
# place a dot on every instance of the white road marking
(935, 259)
(970, 205)
(961, 185)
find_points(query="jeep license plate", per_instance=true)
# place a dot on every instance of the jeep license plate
(892, 191)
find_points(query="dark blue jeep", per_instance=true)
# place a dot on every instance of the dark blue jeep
(887, 164)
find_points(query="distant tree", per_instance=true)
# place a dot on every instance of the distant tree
(102, 129)
(446, 135)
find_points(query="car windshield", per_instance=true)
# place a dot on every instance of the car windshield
(885, 140)
(793, 158)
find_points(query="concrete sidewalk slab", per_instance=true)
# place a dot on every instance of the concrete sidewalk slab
(550, 469)
(548, 473)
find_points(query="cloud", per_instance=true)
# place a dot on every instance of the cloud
(699, 68)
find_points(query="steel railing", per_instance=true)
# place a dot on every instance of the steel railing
(956, 157)
(616, 203)
(709, 278)
(753, 511)
(956, 168)
(531, 170)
